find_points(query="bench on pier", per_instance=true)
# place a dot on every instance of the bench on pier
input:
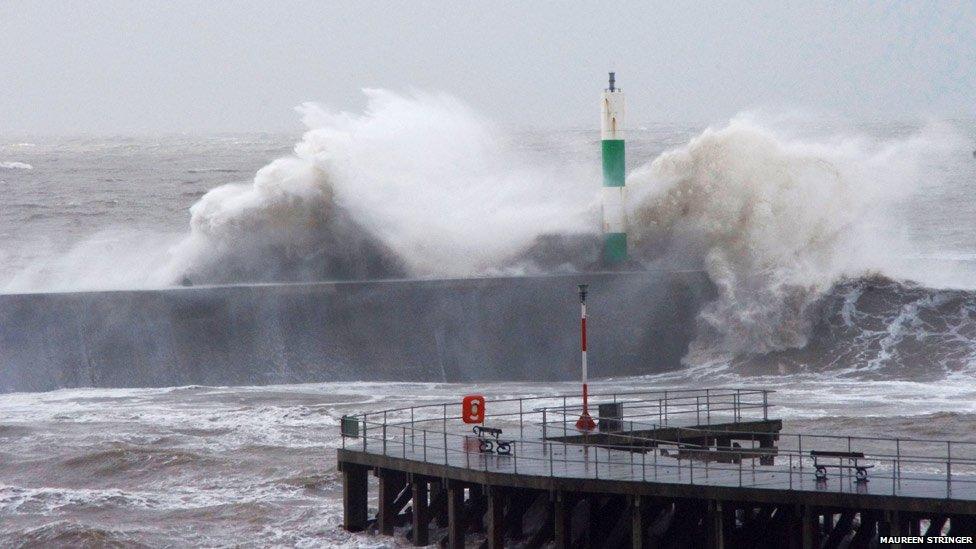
(845, 460)
(489, 439)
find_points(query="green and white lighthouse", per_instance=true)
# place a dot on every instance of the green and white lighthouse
(614, 174)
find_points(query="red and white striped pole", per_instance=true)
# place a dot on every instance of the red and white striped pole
(585, 422)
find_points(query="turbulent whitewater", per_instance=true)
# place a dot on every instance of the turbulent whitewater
(837, 262)
(777, 222)
(777, 213)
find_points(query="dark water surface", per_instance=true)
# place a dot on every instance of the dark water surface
(255, 466)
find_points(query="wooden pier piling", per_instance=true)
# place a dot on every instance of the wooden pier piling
(354, 496)
(420, 521)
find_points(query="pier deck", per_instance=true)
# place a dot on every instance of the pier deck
(713, 455)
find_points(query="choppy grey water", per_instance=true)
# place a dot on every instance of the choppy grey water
(56, 192)
(255, 466)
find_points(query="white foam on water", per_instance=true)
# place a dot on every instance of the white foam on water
(422, 173)
(774, 217)
(270, 450)
(776, 221)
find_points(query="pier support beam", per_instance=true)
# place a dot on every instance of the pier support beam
(562, 514)
(544, 502)
(475, 508)
(495, 518)
(868, 529)
(518, 502)
(810, 529)
(792, 526)
(909, 524)
(836, 532)
(589, 538)
(960, 525)
(438, 502)
(390, 485)
(684, 529)
(890, 525)
(935, 526)
(421, 513)
(636, 523)
(455, 515)
(354, 496)
(714, 525)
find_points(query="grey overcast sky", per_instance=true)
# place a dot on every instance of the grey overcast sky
(175, 66)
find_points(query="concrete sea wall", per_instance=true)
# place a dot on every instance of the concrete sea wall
(519, 328)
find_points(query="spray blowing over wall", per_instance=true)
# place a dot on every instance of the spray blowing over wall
(421, 186)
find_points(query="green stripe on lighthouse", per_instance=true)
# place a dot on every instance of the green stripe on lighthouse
(614, 165)
(614, 177)
(615, 247)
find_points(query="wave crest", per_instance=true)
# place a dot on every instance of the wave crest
(775, 222)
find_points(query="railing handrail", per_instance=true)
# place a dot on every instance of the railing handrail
(751, 453)
(666, 392)
(670, 404)
(742, 406)
(907, 458)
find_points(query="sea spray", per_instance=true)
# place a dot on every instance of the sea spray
(283, 226)
(440, 185)
(774, 221)
(417, 185)
(420, 185)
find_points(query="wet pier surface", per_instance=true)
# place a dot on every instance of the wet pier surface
(715, 451)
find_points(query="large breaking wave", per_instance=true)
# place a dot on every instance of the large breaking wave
(417, 185)
(776, 223)
(879, 328)
(422, 186)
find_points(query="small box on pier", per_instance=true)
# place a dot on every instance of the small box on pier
(349, 426)
(611, 417)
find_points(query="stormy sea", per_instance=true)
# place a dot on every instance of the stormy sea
(840, 254)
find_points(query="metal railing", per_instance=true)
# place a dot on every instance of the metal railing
(429, 433)
(679, 408)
